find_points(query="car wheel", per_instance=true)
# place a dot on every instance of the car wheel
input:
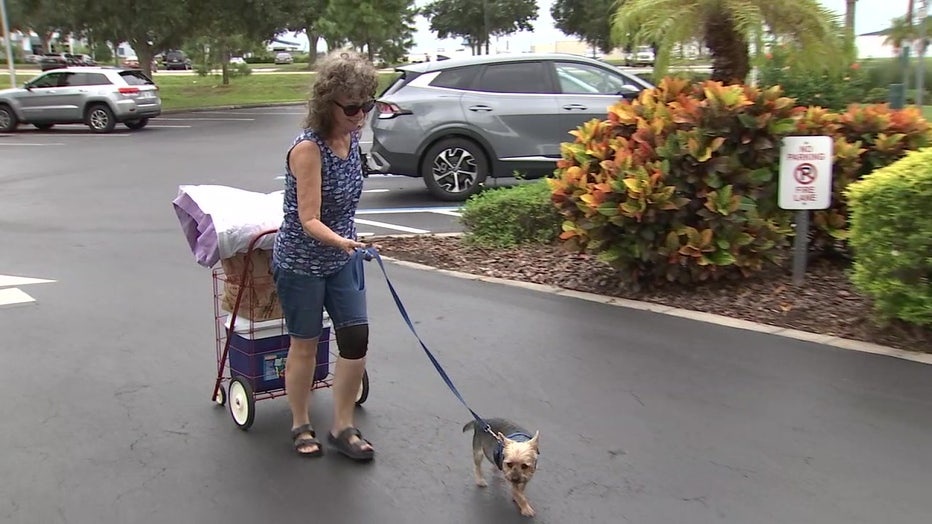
(8, 121)
(136, 124)
(100, 118)
(44, 127)
(454, 169)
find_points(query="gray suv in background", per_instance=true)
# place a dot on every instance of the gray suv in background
(457, 122)
(99, 97)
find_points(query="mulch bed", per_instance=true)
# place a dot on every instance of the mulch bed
(826, 303)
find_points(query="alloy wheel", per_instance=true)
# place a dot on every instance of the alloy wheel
(455, 170)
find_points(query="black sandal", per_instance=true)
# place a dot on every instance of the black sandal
(302, 442)
(352, 450)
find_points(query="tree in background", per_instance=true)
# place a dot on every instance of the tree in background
(727, 27)
(45, 18)
(307, 16)
(376, 27)
(589, 20)
(229, 25)
(476, 21)
(148, 26)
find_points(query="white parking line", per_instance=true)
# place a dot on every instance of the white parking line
(266, 113)
(376, 190)
(150, 126)
(13, 280)
(402, 210)
(14, 295)
(396, 227)
(57, 134)
(27, 144)
(218, 119)
(448, 212)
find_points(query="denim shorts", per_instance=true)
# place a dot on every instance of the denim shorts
(303, 299)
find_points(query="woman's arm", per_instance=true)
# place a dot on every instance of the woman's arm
(305, 164)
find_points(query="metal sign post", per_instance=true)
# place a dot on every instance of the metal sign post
(805, 184)
(8, 40)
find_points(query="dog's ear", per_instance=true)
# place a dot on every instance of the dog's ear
(503, 439)
(535, 441)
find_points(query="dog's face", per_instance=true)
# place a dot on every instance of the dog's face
(519, 459)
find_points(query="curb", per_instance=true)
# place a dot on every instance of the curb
(699, 316)
(229, 107)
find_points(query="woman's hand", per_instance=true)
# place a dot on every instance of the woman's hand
(350, 246)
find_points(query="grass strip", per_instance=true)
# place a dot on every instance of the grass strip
(195, 92)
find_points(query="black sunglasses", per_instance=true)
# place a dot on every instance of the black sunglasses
(353, 109)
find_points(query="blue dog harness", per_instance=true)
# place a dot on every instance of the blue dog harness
(498, 454)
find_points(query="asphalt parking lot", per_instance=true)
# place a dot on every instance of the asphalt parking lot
(108, 364)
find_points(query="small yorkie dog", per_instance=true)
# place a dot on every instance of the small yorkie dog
(513, 451)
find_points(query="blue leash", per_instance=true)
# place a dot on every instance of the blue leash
(371, 253)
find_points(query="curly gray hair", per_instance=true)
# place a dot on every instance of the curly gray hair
(340, 72)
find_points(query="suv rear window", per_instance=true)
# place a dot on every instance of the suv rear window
(400, 81)
(515, 77)
(459, 78)
(136, 78)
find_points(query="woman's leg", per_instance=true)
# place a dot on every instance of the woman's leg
(352, 342)
(299, 375)
(345, 300)
(302, 299)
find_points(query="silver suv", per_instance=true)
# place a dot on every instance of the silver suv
(97, 96)
(456, 122)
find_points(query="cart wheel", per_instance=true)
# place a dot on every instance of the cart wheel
(363, 392)
(221, 398)
(242, 403)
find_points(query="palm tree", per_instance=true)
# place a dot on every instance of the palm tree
(727, 27)
(850, 6)
(901, 31)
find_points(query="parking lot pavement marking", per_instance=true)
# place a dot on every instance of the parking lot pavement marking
(448, 212)
(157, 126)
(217, 119)
(14, 295)
(12, 280)
(264, 113)
(396, 227)
(28, 144)
(406, 210)
(89, 135)
(376, 190)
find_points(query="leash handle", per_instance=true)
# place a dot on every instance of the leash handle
(370, 253)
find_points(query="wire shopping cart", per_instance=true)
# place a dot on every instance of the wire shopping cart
(252, 340)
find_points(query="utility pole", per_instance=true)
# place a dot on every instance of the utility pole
(485, 24)
(8, 39)
(920, 68)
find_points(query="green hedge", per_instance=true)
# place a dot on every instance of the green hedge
(510, 216)
(891, 234)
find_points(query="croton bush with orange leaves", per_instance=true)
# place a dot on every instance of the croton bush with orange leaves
(867, 137)
(680, 184)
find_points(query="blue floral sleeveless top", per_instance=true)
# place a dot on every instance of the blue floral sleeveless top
(341, 187)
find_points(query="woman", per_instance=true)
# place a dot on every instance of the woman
(316, 246)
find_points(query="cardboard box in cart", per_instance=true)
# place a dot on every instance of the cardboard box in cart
(260, 300)
(258, 351)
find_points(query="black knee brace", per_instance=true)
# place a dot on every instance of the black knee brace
(353, 341)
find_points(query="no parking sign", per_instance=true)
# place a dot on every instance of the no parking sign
(805, 183)
(806, 172)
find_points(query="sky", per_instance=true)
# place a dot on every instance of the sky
(871, 15)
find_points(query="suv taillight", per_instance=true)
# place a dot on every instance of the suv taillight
(129, 91)
(389, 110)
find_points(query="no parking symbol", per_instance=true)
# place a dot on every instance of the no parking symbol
(806, 172)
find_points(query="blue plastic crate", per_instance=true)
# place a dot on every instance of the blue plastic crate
(258, 351)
